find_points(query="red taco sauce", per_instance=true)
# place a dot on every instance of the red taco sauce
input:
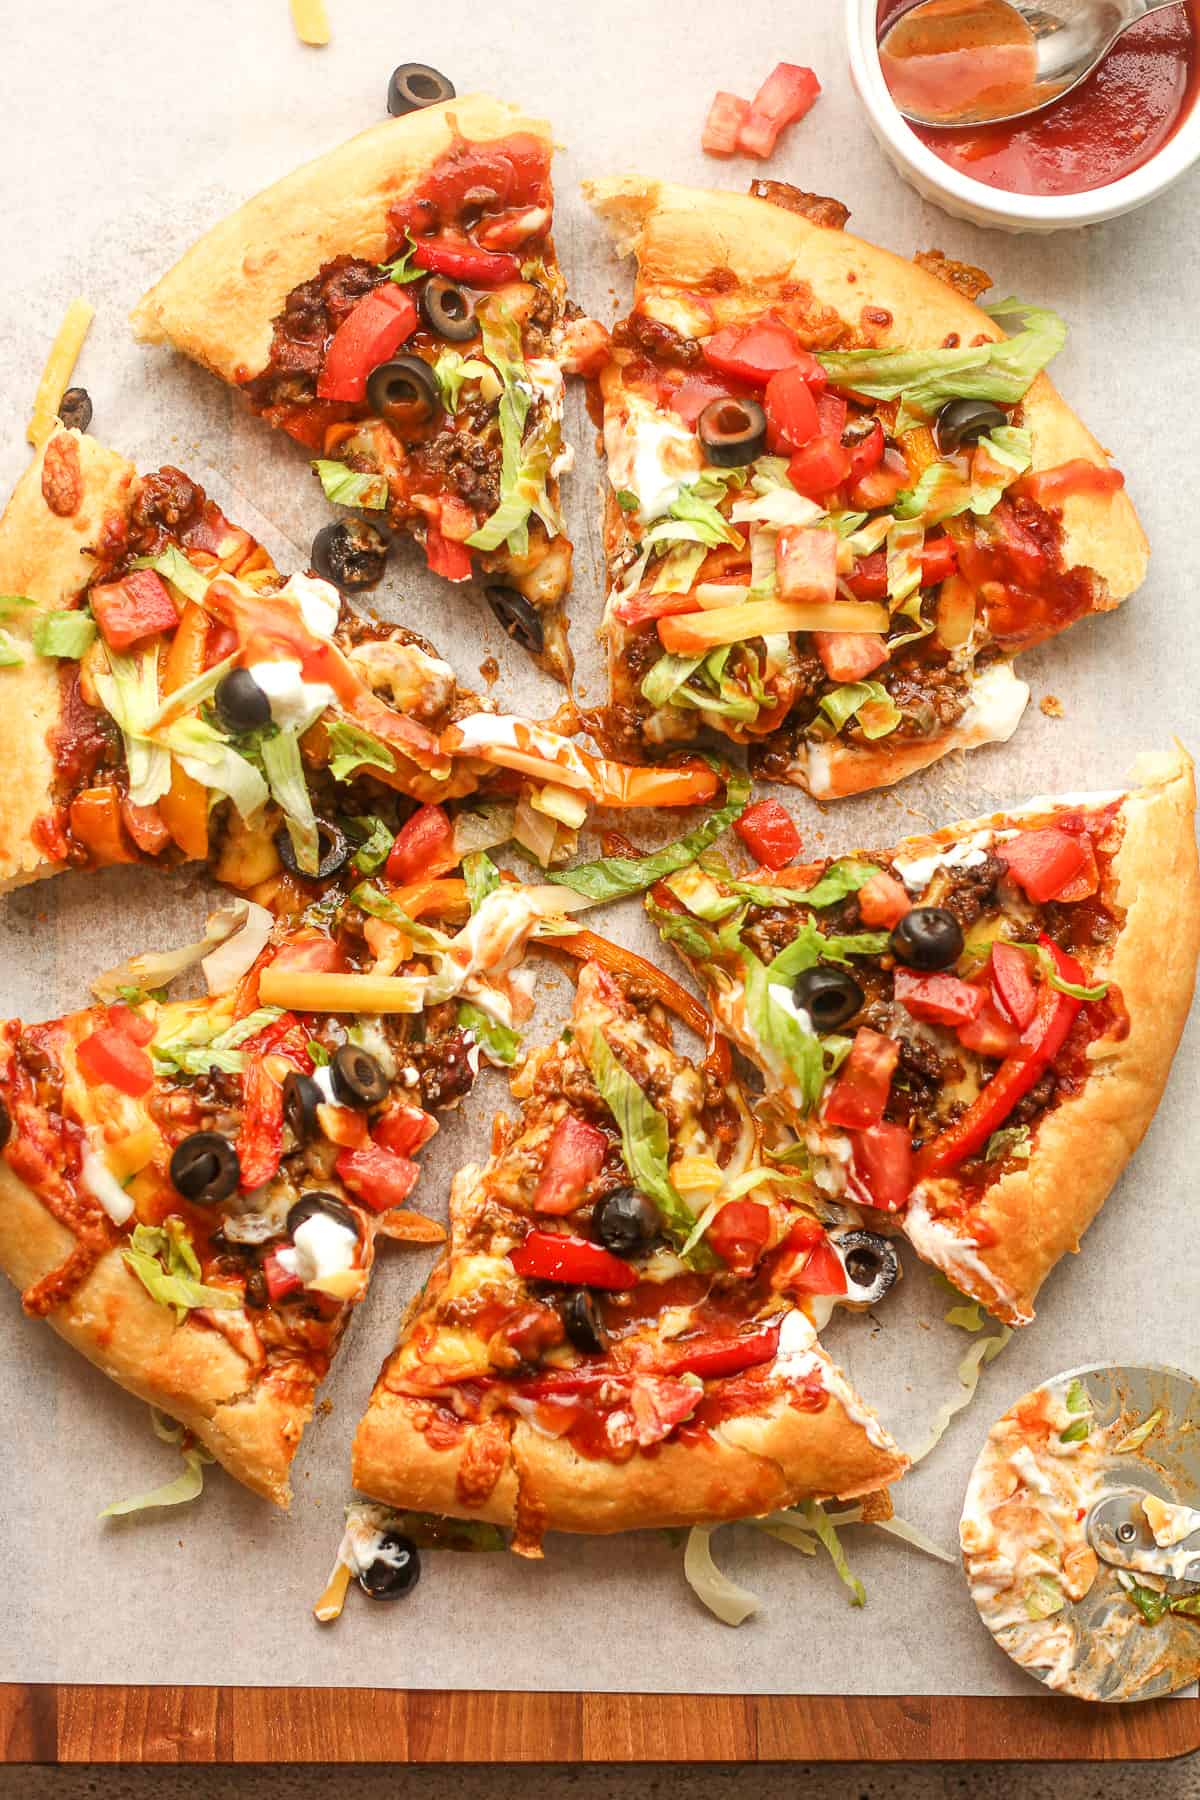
(1113, 123)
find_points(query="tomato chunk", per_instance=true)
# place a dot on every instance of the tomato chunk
(693, 394)
(784, 97)
(806, 562)
(883, 1162)
(574, 1157)
(136, 607)
(939, 558)
(377, 1176)
(883, 901)
(831, 415)
(791, 409)
(756, 352)
(869, 580)
(1013, 984)
(818, 468)
(769, 832)
(366, 337)
(110, 1056)
(424, 845)
(1046, 862)
(867, 454)
(740, 1233)
(990, 1033)
(726, 116)
(861, 1090)
(403, 1128)
(280, 1281)
(849, 655)
(552, 1256)
(940, 998)
(445, 556)
(820, 1273)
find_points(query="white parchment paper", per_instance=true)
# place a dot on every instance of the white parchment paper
(126, 130)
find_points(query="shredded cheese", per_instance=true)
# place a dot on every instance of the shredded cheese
(311, 21)
(329, 1605)
(309, 991)
(56, 376)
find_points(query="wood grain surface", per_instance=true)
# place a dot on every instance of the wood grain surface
(354, 1725)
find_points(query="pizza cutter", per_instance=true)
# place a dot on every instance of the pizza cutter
(1134, 1634)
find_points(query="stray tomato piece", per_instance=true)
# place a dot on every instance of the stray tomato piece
(574, 1157)
(553, 1256)
(280, 1281)
(1013, 984)
(883, 901)
(820, 467)
(939, 558)
(136, 607)
(806, 563)
(366, 337)
(403, 1128)
(883, 1162)
(940, 999)
(378, 1177)
(867, 454)
(754, 353)
(726, 116)
(989, 1033)
(642, 607)
(878, 487)
(831, 417)
(740, 1233)
(135, 1027)
(1046, 862)
(784, 97)
(850, 655)
(110, 1057)
(869, 580)
(445, 556)
(769, 832)
(861, 1090)
(463, 262)
(791, 409)
(423, 846)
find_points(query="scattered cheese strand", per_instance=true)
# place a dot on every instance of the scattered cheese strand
(311, 21)
(60, 366)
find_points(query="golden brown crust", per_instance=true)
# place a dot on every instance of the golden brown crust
(219, 301)
(46, 535)
(1041, 1211)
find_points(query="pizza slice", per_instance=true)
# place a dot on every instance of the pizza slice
(396, 307)
(619, 1335)
(840, 499)
(179, 699)
(969, 1031)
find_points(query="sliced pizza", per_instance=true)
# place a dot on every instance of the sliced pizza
(175, 698)
(396, 307)
(621, 1333)
(969, 1031)
(841, 499)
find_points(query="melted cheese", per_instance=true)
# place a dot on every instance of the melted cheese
(319, 602)
(650, 455)
(293, 701)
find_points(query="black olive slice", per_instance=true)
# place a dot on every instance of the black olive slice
(927, 938)
(240, 703)
(352, 554)
(626, 1221)
(404, 392)
(965, 421)
(5, 1124)
(872, 1266)
(448, 310)
(414, 85)
(829, 996)
(581, 1318)
(394, 1570)
(75, 409)
(205, 1168)
(301, 1098)
(519, 617)
(732, 432)
(333, 852)
(315, 1202)
(357, 1078)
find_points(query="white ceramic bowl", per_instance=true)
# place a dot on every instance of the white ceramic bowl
(974, 200)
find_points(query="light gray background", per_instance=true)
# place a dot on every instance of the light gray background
(128, 128)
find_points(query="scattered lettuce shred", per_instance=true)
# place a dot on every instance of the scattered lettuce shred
(351, 748)
(348, 487)
(162, 1258)
(613, 877)
(981, 1352)
(187, 1485)
(499, 1043)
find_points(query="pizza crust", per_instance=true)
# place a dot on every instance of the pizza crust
(219, 301)
(46, 555)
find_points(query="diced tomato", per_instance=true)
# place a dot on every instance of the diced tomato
(136, 607)
(694, 393)
(850, 655)
(820, 1273)
(463, 262)
(712, 1357)
(1088, 879)
(366, 337)
(883, 1162)
(657, 1403)
(940, 998)
(869, 580)
(831, 416)
(109, 1056)
(1013, 984)
(939, 558)
(754, 353)
(867, 454)
(1046, 862)
(123, 1018)
(642, 607)
(552, 1256)
(791, 409)
(423, 846)
(820, 467)
(769, 832)
(861, 1090)
(445, 556)
(403, 1128)
(378, 1177)
(280, 1281)
(878, 487)
(806, 562)
(574, 1157)
(784, 97)
(990, 1033)
(883, 901)
(726, 116)
(739, 1234)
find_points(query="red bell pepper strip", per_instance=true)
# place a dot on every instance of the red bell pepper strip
(111, 1057)
(552, 1256)
(990, 1033)
(883, 901)
(423, 846)
(819, 468)
(861, 1090)
(726, 116)
(446, 556)
(867, 454)
(1013, 984)
(769, 832)
(280, 1281)
(260, 1137)
(1040, 1044)
(784, 97)
(869, 579)
(712, 1357)
(366, 337)
(940, 998)
(739, 1234)
(756, 352)
(850, 655)
(883, 1162)
(791, 409)
(1046, 863)
(136, 607)
(574, 1157)
(463, 262)
(642, 607)
(378, 1177)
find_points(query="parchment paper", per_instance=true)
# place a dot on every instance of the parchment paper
(126, 130)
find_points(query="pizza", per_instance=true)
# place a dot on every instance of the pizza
(621, 1332)
(190, 1190)
(396, 307)
(969, 1031)
(181, 700)
(840, 499)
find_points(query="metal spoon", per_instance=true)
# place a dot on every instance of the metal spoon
(1069, 38)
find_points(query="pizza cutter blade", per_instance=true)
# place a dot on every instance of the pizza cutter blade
(1119, 1639)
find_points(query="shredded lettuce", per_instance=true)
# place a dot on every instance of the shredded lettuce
(1133, 1440)
(179, 570)
(348, 487)
(199, 1046)
(377, 841)
(613, 877)
(351, 748)
(187, 1485)
(867, 701)
(645, 1143)
(193, 693)
(162, 1258)
(968, 1317)
(483, 827)
(481, 876)
(982, 1351)
(210, 759)
(498, 1042)
(839, 881)
(11, 657)
(284, 770)
(128, 691)
(732, 1604)
(1012, 1140)
(63, 634)
(676, 928)
(452, 371)
(1011, 448)
(817, 1517)
(401, 269)
(158, 968)
(523, 469)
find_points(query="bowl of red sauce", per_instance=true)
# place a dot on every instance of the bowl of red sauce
(1111, 144)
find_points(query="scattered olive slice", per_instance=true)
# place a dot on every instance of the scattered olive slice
(927, 938)
(301, 1098)
(519, 617)
(357, 1078)
(394, 1570)
(404, 392)
(333, 852)
(448, 310)
(732, 431)
(315, 1202)
(205, 1168)
(871, 1264)
(414, 85)
(241, 704)
(75, 409)
(581, 1318)
(626, 1221)
(352, 554)
(5, 1124)
(965, 421)
(828, 996)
